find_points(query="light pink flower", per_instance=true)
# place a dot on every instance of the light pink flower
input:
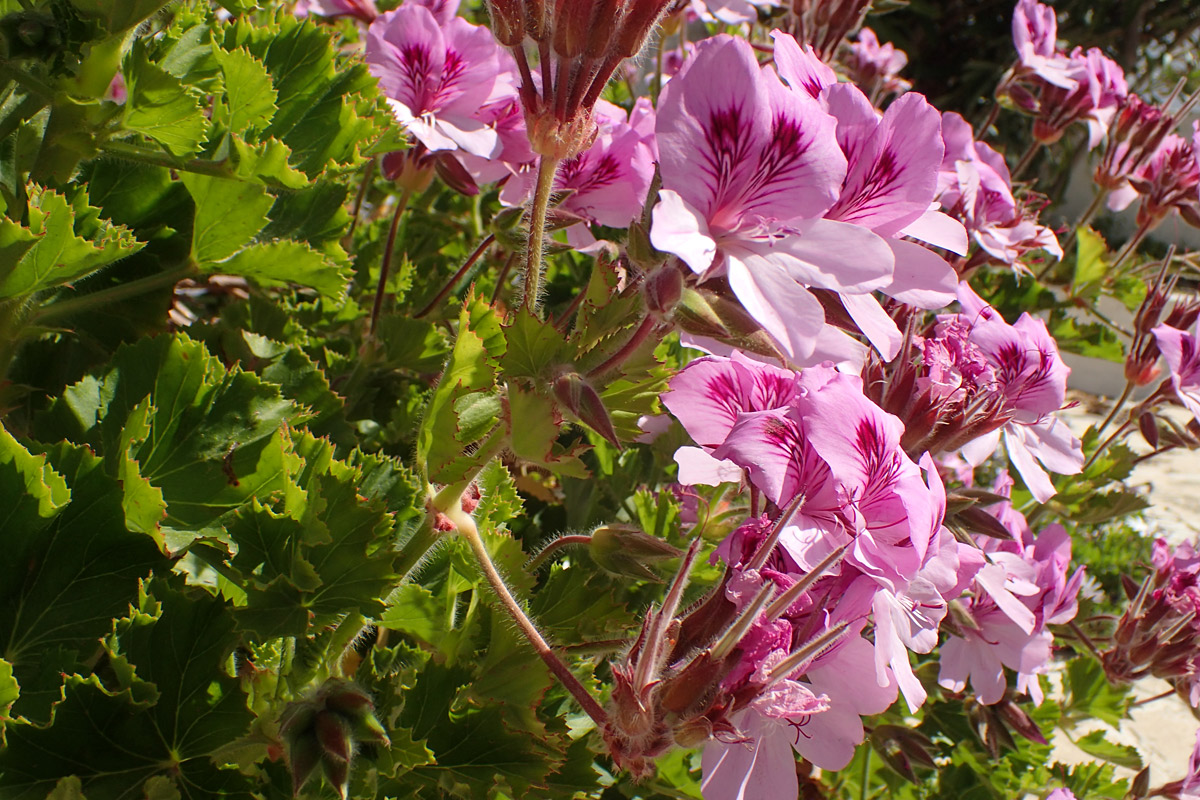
(975, 187)
(1032, 378)
(875, 66)
(748, 168)
(445, 82)
(607, 183)
(363, 10)
(1181, 349)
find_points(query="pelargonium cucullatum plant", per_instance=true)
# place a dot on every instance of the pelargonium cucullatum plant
(590, 398)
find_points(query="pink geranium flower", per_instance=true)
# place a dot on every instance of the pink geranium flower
(608, 182)
(1032, 379)
(749, 167)
(975, 187)
(445, 79)
(1181, 349)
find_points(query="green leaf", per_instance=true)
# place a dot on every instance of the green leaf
(32, 488)
(10, 690)
(63, 579)
(279, 263)
(213, 437)
(64, 241)
(228, 215)
(513, 678)
(160, 106)
(412, 609)
(1090, 695)
(325, 107)
(471, 369)
(118, 17)
(1110, 505)
(1090, 265)
(174, 711)
(534, 346)
(1123, 755)
(249, 96)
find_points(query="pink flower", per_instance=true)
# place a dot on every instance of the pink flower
(1035, 32)
(443, 81)
(875, 66)
(1100, 88)
(729, 12)
(1169, 180)
(748, 168)
(363, 10)
(607, 183)
(975, 187)
(1024, 588)
(1181, 349)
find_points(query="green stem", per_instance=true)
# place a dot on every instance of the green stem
(449, 497)
(30, 84)
(1103, 446)
(547, 169)
(467, 528)
(416, 547)
(385, 267)
(866, 774)
(158, 158)
(553, 547)
(114, 294)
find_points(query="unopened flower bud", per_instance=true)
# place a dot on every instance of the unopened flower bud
(1148, 425)
(636, 25)
(624, 550)
(663, 289)
(508, 21)
(333, 734)
(574, 392)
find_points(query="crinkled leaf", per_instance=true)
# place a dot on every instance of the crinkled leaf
(160, 106)
(63, 242)
(534, 346)
(213, 440)
(249, 97)
(278, 263)
(63, 579)
(31, 487)
(1123, 755)
(471, 369)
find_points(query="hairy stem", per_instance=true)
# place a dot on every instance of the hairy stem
(385, 267)
(538, 561)
(618, 358)
(445, 290)
(547, 169)
(467, 528)
(113, 294)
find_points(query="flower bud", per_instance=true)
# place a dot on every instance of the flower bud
(574, 392)
(663, 288)
(624, 550)
(508, 21)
